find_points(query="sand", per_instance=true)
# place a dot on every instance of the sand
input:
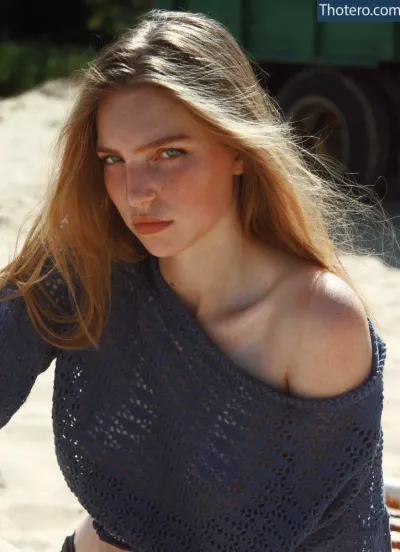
(37, 510)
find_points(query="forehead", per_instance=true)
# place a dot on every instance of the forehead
(146, 107)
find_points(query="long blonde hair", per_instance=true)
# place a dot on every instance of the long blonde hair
(283, 200)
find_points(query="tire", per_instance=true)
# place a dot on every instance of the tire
(387, 86)
(360, 134)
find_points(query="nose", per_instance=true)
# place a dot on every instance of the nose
(140, 189)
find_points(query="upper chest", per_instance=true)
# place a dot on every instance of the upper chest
(262, 339)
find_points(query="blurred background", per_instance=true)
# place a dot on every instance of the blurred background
(338, 83)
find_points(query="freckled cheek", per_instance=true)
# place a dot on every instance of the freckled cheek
(178, 191)
(196, 200)
(183, 196)
(209, 191)
(115, 187)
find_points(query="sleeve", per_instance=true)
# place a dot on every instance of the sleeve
(23, 355)
(341, 480)
(356, 519)
(107, 538)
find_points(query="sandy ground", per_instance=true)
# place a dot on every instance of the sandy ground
(37, 510)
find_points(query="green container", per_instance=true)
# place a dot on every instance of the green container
(287, 31)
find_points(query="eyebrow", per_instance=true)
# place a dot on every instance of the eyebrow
(150, 145)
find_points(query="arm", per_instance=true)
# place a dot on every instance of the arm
(107, 540)
(344, 455)
(23, 355)
(87, 540)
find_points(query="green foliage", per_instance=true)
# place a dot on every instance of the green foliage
(26, 64)
(110, 17)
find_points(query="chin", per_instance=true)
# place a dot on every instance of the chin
(165, 246)
(162, 250)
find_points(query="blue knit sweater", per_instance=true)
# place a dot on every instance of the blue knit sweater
(171, 447)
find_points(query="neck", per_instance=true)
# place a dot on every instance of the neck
(210, 276)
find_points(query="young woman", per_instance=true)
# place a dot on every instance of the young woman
(218, 380)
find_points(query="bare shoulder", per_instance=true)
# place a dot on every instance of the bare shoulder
(333, 349)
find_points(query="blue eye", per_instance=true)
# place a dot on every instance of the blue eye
(104, 159)
(180, 151)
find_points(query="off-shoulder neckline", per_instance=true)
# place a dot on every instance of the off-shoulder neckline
(258, 389)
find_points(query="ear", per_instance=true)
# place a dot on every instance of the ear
(238, 167)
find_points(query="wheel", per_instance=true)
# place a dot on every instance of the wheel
(387, 85)
(342, 117)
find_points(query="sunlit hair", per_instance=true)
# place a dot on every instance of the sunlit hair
(282, 198)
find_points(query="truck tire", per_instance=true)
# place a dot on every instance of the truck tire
(387, 85)
(318, 100)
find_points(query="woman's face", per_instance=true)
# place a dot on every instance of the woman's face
(186, 179)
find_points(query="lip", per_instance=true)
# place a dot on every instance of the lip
(153, 227)
(142, 219)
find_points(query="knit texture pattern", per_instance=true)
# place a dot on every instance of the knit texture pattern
(171, 447)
